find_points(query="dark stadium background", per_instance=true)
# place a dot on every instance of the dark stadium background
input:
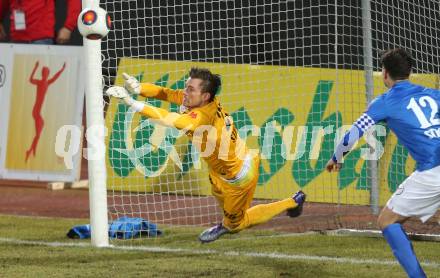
(293, 33)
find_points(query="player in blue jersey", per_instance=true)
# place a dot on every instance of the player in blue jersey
(412, 113)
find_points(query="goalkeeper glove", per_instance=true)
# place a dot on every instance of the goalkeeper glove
(122, 94)
(131, 84)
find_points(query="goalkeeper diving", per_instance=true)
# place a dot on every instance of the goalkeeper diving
(233, 169)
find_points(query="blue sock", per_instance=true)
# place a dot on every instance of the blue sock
(403, 250)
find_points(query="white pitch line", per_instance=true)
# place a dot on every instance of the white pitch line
(221, 253)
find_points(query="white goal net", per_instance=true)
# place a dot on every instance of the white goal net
(296, 70)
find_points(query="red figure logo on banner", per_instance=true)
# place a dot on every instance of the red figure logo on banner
(42, 86)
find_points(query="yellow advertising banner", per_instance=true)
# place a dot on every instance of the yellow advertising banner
(299, 109)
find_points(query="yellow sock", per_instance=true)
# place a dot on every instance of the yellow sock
(262, 213)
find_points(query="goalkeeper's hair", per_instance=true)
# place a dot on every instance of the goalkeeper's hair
(397, 62)
(210, 82)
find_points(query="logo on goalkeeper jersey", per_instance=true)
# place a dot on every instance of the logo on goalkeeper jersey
(193, 115)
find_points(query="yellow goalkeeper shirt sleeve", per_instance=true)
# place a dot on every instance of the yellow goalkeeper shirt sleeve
(162, 93)
(187, 122)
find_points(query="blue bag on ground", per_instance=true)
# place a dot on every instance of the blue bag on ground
(129, 227)
(122, 228)
(81, 232)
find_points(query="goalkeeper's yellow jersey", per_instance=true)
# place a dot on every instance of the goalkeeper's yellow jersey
(210, 127)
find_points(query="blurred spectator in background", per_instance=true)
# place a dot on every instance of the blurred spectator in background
(33, 21)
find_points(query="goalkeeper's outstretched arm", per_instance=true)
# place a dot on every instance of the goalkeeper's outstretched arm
(187, 122)
(170, 119)
(133, 86)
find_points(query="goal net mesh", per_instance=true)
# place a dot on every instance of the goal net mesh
(297, 72)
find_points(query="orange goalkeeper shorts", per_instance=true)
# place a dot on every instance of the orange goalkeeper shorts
(235, 196)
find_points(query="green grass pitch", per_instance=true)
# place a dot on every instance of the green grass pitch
(38, 247)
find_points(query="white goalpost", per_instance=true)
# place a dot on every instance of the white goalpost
(95, 134)
(297, 72)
